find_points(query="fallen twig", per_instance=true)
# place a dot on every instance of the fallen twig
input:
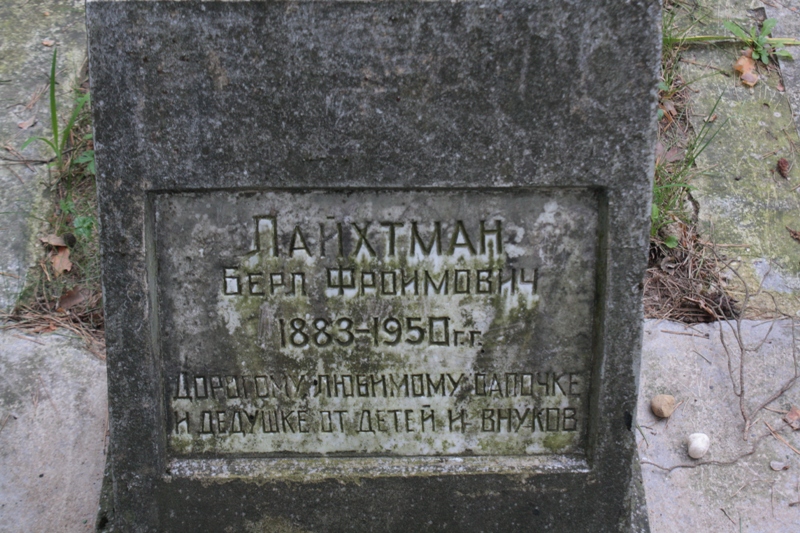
(647, 444)
(28, 339)
(692, 62)
(726, 514)
(708, 463)
(704, 335)
(704, 357)
(780, 438)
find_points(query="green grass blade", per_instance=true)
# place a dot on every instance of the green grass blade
(29, 141)
(783, 41)
(54, 107)
(72, 119)
(49, 143)
(671, 185)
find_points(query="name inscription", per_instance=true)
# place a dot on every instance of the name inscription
(376, 322)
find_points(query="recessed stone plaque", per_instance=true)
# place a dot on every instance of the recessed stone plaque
(377, 322)
(373, 266)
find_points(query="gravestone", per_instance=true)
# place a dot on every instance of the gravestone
(373, 265)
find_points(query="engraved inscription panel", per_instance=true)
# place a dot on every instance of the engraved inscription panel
(376, 322)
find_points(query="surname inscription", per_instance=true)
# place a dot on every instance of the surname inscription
(377, 322)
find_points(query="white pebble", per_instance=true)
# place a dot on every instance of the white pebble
(698, 445)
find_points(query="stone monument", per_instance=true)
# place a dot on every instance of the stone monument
(373, 265)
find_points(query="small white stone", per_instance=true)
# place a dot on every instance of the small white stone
(698, 445)
(778, 466)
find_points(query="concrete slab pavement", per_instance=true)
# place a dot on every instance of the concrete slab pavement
(53, 421)
(699, 366)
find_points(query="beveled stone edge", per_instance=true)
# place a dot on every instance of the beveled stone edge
(320, 468)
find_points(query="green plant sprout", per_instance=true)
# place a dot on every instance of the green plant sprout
(762, 45)
(87, 157)
(58, 142)
(67, 206)
(84, 226)
(759, 42)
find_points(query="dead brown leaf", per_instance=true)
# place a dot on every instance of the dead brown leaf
(746, 66)
(793, 418)
(669, 107)
(795, 234)
(750, 79)
(72, 298)
(783, 167)
(60, 259)
(705, 307)
(53, 240)
(25, 124)
(674, 154)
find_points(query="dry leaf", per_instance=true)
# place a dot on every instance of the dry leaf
(750, 79)
(796, 236)
(668, 264)
(674, 154)
(704, 306)
(72, 298)
(778, 466)
(793, 416)
(53, 240)
(783, 167)
(670, 156)
(669, 107)
(48, 42)
(25, 124)
(745, 66)
(60, 259)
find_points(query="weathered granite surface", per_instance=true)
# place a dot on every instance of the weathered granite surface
(218, 121)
